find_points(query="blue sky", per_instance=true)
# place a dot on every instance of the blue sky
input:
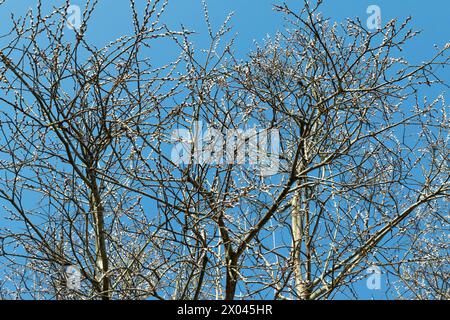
(254, 19)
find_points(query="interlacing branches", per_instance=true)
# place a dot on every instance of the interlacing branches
(88, 178)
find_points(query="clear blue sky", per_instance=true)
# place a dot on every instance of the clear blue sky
(254, 19)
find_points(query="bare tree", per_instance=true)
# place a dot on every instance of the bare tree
(91, 178)
(69, 141)
(424, 271)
